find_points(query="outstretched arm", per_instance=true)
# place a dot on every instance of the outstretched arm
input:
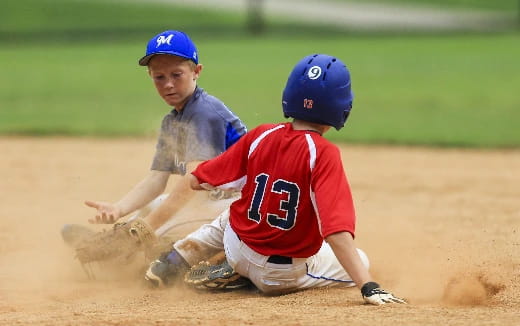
(144, 192)
(179, 195)
(345, 250)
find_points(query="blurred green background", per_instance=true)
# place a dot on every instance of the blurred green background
(70, 68)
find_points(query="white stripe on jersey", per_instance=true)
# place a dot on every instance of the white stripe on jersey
(239, 183)
(312, 164)
(312, 151)
(257, 141)
(313, 200)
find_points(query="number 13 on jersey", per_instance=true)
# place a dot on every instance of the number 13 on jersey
(289, 206)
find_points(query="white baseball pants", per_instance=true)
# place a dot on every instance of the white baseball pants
(271, 275)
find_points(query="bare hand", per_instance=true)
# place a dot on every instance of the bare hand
(107, 213)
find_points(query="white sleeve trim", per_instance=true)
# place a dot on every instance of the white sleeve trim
(234, 185)
(257, 141)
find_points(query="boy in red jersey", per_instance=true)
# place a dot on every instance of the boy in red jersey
(295, 194)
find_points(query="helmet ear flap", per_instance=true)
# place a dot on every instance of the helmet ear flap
(345, 115)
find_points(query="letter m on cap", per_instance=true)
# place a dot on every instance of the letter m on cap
(164, 40)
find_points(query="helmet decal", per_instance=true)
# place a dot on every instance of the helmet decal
(314, 72)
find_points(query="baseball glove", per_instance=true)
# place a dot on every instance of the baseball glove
(207, 276)
(121, 242)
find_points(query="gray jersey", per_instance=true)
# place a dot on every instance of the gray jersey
(202, 130)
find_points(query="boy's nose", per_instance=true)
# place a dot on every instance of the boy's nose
(170, 82)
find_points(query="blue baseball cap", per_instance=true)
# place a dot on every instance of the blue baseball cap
(173, 43)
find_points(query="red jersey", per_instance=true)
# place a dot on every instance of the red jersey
(296, 192)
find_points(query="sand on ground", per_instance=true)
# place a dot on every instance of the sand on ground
(440, 226)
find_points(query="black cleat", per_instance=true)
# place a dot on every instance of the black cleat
(162, 271)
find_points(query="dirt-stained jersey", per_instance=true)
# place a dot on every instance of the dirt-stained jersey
(203, 129)
(296, 192)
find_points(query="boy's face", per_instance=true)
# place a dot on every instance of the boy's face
(175, 78)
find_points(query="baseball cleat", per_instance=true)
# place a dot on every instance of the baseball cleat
(221, 276)
(163, 271)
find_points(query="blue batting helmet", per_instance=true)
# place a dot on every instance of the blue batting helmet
(318, 90)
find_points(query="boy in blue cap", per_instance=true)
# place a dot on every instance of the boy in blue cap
(199, 127)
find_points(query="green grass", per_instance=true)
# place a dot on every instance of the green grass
(458, 90)
(435, 90)
(499, 5)
(43, 21)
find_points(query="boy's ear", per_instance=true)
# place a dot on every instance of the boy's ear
(197, 70)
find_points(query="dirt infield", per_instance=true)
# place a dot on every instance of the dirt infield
(441, 227)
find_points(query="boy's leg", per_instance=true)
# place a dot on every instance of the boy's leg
(203, 243)
(275, 275)
(194, 213)
(324, 269)
(264, 272)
